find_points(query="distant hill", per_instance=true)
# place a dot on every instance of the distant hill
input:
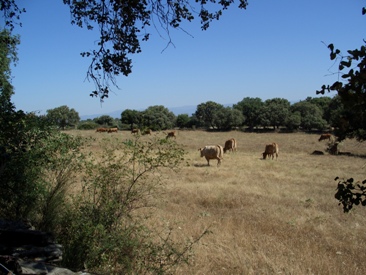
(189, 110)
(115, 114)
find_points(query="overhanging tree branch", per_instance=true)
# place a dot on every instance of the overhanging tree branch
(122, 25)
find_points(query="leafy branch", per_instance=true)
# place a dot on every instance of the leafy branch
(350, 193)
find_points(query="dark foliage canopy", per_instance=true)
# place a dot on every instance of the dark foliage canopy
(350, 193)
(351, 91)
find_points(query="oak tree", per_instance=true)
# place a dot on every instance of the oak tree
(131, 117)
(63, 116)
(251, 109)
(351, 90)
(207, 112)
(158, 118)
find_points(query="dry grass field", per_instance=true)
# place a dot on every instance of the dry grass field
(266, 216)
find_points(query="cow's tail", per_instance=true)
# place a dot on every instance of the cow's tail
(277, 149)
(221, 151)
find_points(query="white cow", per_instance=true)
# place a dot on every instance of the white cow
(212, 152)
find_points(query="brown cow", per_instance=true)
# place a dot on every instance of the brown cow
(230, 145)
(212, 152)
(148, 132)
(101, 130)
(271, 150)
(325, 136)
(135, 131)
(112, 130)
(172, 134)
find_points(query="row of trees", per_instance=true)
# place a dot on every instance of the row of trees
(312, 113)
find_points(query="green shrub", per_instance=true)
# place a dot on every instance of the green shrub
(102, 230)
(20, 188)
(37, 166)
(61, 163)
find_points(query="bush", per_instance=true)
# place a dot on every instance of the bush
(37, 166)
(103, 230)
(20, 186)
(61, 163)
(100, 227)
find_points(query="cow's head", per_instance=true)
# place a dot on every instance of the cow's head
(264, 155)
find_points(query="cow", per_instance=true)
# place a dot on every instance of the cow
(112, 130)
(325, 136)
(230, 145)
(212, 152)
(148, 132)
(101, 130)
(171, 134)
(135, 131)
(271, 150)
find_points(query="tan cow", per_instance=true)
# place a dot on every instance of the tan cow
(135, 131)
(212, 152)
(101, 130)
(325, 136)
(230, 145)
(113, 130)
(171, 134)
(271, 150)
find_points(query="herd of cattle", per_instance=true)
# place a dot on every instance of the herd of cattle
(217, 151)
(108, 130)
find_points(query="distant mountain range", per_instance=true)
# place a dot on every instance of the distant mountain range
(189, 110)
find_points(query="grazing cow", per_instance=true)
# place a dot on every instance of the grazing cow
(135, 131)
(112, 130)
(101, 130)
(148, 132)
(325, 136)
(212, 152)
(172, 134)
(271, 150)
(230, 145)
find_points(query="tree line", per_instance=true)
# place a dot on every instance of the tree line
(251, 113)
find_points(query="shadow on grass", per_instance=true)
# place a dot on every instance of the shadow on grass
(203, 165)
(348, 154)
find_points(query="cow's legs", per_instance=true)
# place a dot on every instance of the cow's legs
(218, 162)
(208, 161)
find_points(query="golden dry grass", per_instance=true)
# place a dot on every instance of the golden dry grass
(266, 216)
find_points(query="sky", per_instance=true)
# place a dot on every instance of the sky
(272, 49)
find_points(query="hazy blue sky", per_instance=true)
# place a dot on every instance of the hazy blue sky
(272, 49)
